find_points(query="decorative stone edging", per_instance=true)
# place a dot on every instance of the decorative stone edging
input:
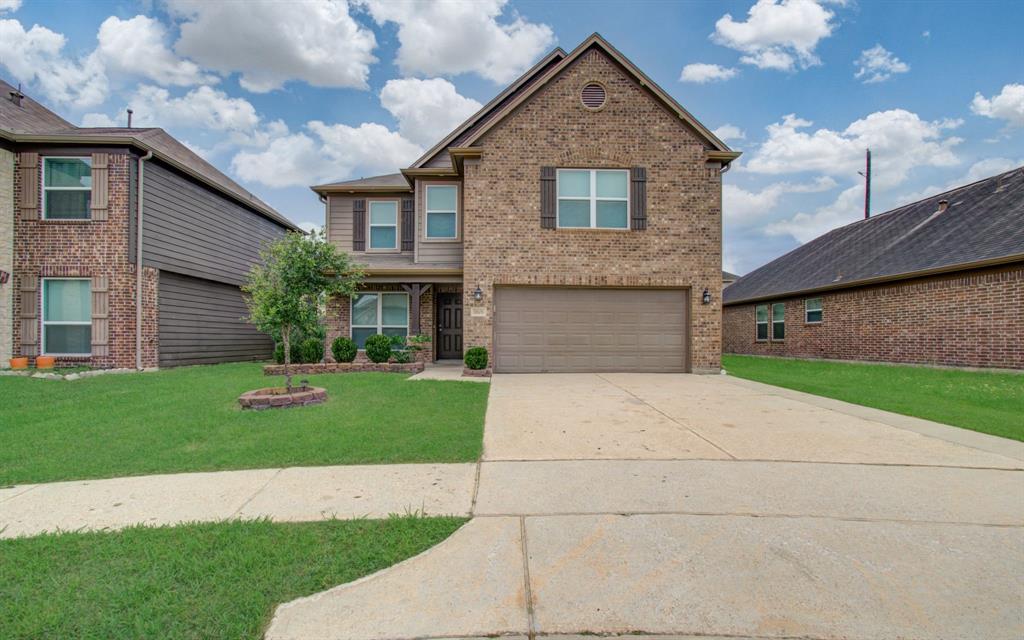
(275, 398)
(343, 367)
(476, 373)
(51, 375)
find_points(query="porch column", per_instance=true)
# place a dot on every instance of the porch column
(415, 291)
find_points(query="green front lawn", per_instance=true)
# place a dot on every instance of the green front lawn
(188, 419)
(198, 581)
(977, 400)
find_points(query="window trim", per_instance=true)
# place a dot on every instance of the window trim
(45, 189)
(380, 326)
(774, 322)
(43, 322)
(766, 323)
(427, 211)
(592, 198)
(820, 309)
(397, 226)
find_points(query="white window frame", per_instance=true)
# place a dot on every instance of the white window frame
(370, 226)
(428, 211)
(88, 160)
(592, 198)
(43, 322)
(820, 309)
(772, 321)
(379, 327)
(767, 323)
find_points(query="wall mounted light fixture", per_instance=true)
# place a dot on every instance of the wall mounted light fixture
(478, 294)
(706, 298)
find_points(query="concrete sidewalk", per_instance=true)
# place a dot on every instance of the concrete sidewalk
(292, 494)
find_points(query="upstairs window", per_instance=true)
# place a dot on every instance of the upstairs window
(442, 211)
(379, 313)
(593, 198)
(812, 310)
(383, 225)
(779, 321)
(67, 317)
(761, 321)
(67, 188)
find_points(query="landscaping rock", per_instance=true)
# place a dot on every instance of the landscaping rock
(344, 367)
(274, 398)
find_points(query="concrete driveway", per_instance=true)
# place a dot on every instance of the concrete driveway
(707, 507)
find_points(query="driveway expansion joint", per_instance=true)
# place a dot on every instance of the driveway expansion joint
(256, 493)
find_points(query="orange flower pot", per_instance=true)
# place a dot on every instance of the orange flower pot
(44, 362)
(19, 363)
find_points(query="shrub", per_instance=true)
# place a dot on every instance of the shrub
(343, 349)
(476, 358)
(296, 356)
(402, 357)
(311, 351)
(378, 348)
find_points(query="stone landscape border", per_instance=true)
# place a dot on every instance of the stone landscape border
(273, 398)
(78, 375)
(343, 367)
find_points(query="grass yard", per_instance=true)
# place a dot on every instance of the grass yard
(198, 581)
(188, 419)
(981, 401)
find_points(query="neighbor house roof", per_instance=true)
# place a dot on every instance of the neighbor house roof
(982, 224)
(32, 122)
(388, 182)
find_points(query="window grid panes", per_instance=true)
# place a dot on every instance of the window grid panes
(383, 224)
(379, 313)
(67, 317)
(779, 321)
(442, 211)
(593, 198)
(67, 188)
(812, 310)
(761, 321)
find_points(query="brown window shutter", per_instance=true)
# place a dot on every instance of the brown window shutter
(408, 225)
(638, 200)
(29, 290)
(100, 316)
(548, 198)
(100, 185)
(28, 167)
(359, 225)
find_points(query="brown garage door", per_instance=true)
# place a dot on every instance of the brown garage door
(577, 330)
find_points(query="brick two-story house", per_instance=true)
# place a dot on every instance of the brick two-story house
(71, 202)
(572, 224)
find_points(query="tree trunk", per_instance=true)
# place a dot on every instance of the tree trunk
(285, 335)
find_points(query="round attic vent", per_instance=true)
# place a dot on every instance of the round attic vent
(593, 95)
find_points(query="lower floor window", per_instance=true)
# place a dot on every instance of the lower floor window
(67, 317)
(779, 321)
(761, 321)
(812, 310)
(383, 313)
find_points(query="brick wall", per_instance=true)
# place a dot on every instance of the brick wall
(972, 319)
(6, 253)
(504, 244)
(90, 248)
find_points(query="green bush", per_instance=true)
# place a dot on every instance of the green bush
(378, 348)
(279, 353)
(476, 358)
(343, 349)
(311, 351)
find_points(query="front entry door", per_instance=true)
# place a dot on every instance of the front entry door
(449, 325)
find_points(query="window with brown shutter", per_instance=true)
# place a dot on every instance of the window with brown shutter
(548, 198)
(100, 185)
(359, 225)
(100, 316)
(29, 290)
(28, 168)
(408, 225)
(638, 197)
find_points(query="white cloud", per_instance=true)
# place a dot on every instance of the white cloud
(742, 207)
(1006, 105)
(271, 43)
(701, 72)
(848, 207)
(877, 64)
(326, 152)
(9, 5)
(138, 47)
(449, 38)
(729, 132)
(778, 34)
(426, 110)
(899, 141)
(35, 57)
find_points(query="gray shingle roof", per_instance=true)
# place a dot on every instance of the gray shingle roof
(395, 180)
(984, 222)
(30, 117)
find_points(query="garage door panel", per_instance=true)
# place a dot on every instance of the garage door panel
(578, 329)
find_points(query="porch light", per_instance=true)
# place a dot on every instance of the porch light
(478, 294)
(706, 298)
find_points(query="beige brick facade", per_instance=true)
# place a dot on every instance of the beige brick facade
(968, 319)
(6, 253)
(505, 245)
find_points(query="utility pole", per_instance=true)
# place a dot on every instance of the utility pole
(867, 183)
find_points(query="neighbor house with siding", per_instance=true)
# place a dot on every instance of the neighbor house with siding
(75, 203)
(572, 224)
(937, 282)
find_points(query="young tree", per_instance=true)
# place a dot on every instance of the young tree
(295, 273)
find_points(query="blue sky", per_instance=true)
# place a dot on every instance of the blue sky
(283, 95)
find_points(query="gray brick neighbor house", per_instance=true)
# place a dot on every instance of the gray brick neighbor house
(572, 224)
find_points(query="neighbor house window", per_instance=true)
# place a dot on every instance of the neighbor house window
(67, 317)
(761, 321)
(383, 224)
(442, 211)
(779, 321)
(593, 198)
(812, 310)
(67, 188)
(383, 313)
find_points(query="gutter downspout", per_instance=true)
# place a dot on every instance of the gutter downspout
(138, 265)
